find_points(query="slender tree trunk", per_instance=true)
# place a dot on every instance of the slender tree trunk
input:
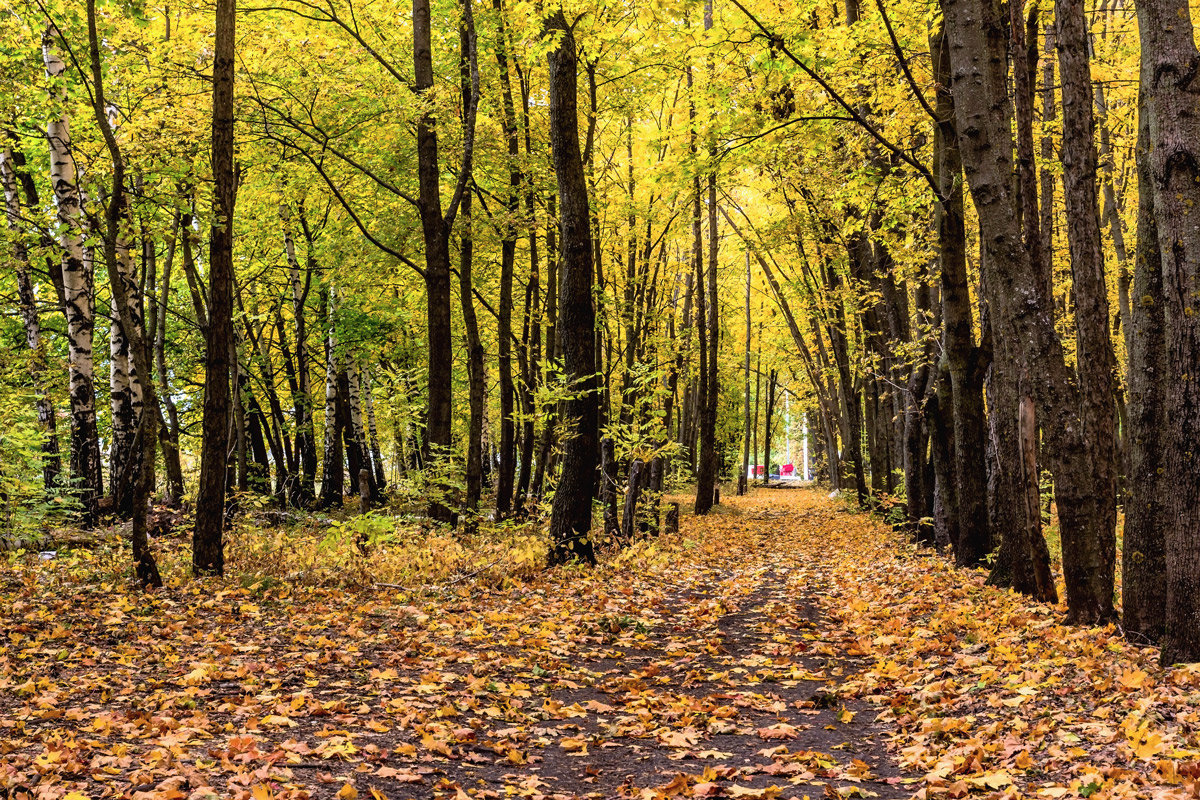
(51, 461)
(302, 399)
(373, 433)
(475, 375)
(508, 249)
(707, 474)
(168, 428)
(333, 476)
(207, 545)
(78, 291)
(608, 490)
(571, 514)
(743, 475)
(118, 222)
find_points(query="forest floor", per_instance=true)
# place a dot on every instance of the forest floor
(781, 647)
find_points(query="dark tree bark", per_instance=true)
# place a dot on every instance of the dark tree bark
(1171, 157)
(608, 489)
(436, 228)
(963, 403)
(1144, 568)
(207, 542)
(306, 447)
(1089, 546)
(333, 465)
(571, 513)
(508, 248)
(977, 35)
(769, 423)
(707, 473)
(743, 476)
(469, 79)
(633, 494)
(532, 322)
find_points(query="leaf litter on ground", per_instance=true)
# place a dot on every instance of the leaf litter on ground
(781, 648)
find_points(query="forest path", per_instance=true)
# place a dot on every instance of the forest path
(703, 665)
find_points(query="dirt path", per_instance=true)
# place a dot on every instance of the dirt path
(702, 667)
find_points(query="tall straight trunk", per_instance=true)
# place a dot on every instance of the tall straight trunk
(333, 475)
(207, 541)
(977, 33)
(916, 431)
(1144, 568)
(769, 423)
(945, 510)
(963, 404)
(302, 401)
(1089, 555)
(468, 88)
(532, 322)
(78, 291)
(849, 396)
(1022, 561)
(699, 401)
(1172, 160)
(553, 354)
(475, 375)
(742, 476)
(51, 460)
(757, 395)
(437, 267)
(124, 398)
(571, 513)
(508, 248)
(1046, 147)
(708, 473)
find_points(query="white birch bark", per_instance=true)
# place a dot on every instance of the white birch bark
(78, 289)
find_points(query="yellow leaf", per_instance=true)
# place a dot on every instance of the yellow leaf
(347, 792)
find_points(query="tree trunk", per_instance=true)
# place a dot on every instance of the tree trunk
(743, 477)
(437, 268)
(302, 400)
(168, 428)
(51, 461)
(333, 476)
(1089, 550)
(1172, 159)
(1144, 568)
(968, 528)
(978, 47)
(78, 291)
(475, 376)
(633, 493)
(116, 254)
(608, 490)
(707, 474)
(571, 513)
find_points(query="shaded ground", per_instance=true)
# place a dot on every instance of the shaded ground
(702, 667)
